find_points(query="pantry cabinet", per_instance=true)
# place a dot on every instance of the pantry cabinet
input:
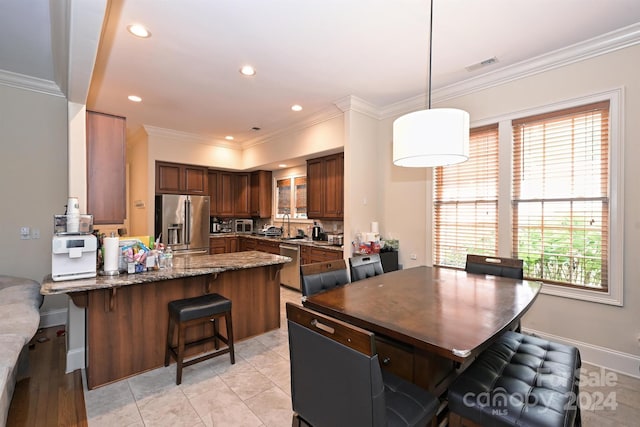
(106, 191)
(325, 187)
(176, 178)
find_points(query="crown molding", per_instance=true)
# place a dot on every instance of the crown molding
(353, 103)
(188, 137)
(21, 81)
(606, 43)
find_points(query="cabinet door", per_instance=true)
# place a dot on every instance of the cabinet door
(196, 180)
(232, 244)
(334, 186)
(247, 244)
(242, 195)
(304, 255)
(225, 196)
(168, 178)
(315, 191)
(106, 193)
(213, 193)
(217, 245)
(261, 194)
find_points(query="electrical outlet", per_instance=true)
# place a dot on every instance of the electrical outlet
(24, 233)
(35, 233)
(413, 256)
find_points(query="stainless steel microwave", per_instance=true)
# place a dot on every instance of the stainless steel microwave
(243, 226)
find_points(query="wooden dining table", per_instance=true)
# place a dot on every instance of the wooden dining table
(429, 322)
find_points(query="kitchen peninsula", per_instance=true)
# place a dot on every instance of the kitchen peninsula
(126, 315)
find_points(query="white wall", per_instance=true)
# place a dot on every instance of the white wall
(33, 180)
(600, 329)
(362, 188)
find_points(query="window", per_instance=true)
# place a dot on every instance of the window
(561, 196)
(466, 202)
(291, 197)
(558, 204)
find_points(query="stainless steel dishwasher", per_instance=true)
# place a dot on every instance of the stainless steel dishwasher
(290, 273)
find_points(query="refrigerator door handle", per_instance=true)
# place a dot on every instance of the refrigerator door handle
(187, 209)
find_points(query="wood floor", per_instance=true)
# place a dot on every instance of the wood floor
(49, 397)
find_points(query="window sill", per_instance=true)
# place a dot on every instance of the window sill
(610, 298)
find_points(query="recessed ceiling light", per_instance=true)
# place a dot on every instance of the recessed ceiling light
(139, 31)
(229, 138)
(134, 98)
(247, 70)
(282, 165)
(296, 107)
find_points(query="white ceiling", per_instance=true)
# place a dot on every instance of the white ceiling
(310, 52)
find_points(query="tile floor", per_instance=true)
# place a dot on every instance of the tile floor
(255, 392)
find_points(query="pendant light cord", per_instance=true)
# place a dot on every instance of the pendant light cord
(430, 52)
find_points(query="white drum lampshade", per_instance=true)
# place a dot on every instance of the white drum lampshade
(432, 137)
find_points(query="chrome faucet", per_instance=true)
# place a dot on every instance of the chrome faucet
(286, 214)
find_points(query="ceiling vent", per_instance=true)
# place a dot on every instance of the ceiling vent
(482, 64)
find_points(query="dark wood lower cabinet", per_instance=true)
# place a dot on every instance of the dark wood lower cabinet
(127, 326)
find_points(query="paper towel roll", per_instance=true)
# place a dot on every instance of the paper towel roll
(111, 253)
(374, 227)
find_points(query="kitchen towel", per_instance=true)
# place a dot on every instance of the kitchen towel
(111, 253)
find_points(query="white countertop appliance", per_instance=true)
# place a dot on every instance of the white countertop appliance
(73, 256)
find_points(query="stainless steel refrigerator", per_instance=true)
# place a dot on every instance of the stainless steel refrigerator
(184, 223)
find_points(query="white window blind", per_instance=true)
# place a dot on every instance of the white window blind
(560, 195)
(466, 202)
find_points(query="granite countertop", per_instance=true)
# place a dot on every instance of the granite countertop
(303, 242)
(183, 266)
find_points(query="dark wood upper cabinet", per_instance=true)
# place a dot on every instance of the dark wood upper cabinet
(242, 186)
(176, 178)
(213, 193)
(315, 188)
(261, 194)
(226, 195)
(325, 187)
(106, 188)
(240, 194)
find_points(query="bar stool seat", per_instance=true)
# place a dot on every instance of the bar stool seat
(194, 311)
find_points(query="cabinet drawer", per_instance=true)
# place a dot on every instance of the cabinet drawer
(395, 358)
(318, 255)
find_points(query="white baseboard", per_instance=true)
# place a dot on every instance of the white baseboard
(53, 318)
(75, 360)
(617, 361)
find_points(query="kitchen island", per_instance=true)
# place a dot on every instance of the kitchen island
(126, 315)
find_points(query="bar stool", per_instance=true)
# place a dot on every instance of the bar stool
(188, 312)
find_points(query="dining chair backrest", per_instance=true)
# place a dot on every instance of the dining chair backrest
(321, 276)
(365, 266)
(494, 266)
(336, 378)
(335, 373)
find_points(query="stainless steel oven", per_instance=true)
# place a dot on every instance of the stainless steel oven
(290, 273)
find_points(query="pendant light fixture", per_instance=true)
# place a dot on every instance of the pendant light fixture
(431, 137)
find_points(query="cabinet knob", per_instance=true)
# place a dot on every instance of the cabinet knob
(386, 361)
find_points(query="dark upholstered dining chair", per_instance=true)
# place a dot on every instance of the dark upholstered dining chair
(495, 266)
(336, 379)
(321, 276)
(365, 266)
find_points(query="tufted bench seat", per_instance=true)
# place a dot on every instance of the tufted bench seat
(519, 380)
